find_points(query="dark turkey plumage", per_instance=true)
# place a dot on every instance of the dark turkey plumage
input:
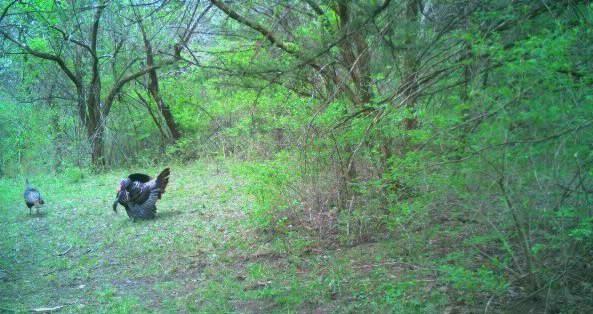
(138, 194)
(32, 197)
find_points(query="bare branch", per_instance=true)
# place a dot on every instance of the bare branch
(315, 7)
(273, 38)
(5, 11)
(69, 38)
(46, 56)
(120, 84)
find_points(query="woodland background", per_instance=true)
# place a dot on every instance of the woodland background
(458, 131)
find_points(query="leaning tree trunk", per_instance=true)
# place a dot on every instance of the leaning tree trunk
(166, 112)
(153, 88)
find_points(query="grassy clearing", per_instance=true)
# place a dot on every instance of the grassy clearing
(80, 254)
(200, 254)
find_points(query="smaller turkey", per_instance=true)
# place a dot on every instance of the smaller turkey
(32, 197)
(138, 194)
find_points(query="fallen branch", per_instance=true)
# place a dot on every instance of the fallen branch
(49, 272)
(411, 266)
(258, 285)
(65, 252)
(47, 309)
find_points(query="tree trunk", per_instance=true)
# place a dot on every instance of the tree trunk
(95, 135)
(153, 87)
(166, 112)
(97, 154)
(409, 88)
(355, 55)
(95, 124)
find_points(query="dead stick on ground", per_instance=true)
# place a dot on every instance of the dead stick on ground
(65, 252)
(48, 309)
(394, 263)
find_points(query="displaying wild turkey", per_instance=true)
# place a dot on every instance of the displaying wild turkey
(138, 194)
(32, 197)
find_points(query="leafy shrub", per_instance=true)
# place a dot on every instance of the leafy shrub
(472, 283)
(268, 183)
(74, 174)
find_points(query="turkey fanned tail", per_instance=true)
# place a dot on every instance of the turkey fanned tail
(162, 180)
(139, 193)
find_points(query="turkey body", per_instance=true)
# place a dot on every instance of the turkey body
(32, 197)
(138, 194)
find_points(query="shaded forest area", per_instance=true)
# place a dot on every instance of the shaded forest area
(456, 134)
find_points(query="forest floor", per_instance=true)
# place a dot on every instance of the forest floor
(200, 254)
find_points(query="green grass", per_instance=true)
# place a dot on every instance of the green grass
(200, 254)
